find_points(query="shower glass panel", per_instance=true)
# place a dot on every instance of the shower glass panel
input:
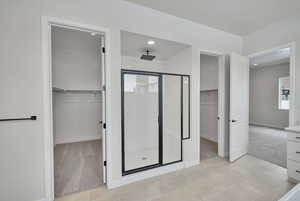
(186, 107)
(172, 138)
(141, 98)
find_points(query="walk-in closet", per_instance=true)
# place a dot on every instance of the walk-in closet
(78, 109)
(209, 71)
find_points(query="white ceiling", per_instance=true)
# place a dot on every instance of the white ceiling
(240, 17)
(135, 45)
(271, 58)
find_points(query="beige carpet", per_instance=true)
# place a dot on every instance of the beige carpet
(268, 144)
(208, 149)
(77, 167)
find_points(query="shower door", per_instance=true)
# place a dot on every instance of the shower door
(172, 118)
(155, 119)
(140, 121)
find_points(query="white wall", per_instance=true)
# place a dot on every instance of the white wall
(264, 96)
(181, 62)
(208, 115)
(275, 35)
(21, 143)
(76, 61)
(21, 85)
(133, 63)
(209, 72)
(76, 117)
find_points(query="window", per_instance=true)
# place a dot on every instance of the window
(284, 93)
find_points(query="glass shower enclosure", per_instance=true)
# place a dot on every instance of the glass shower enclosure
(155, 119)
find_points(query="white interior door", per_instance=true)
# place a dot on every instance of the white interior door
(223, 106)
(239, 106)
(103, 101)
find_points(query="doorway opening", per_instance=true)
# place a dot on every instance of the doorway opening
(209, 100)
(269, 105)
(78, 109)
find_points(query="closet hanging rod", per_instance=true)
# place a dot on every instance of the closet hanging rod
(55, 89)
(20, 119)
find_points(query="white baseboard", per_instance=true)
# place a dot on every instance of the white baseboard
(44, 199)
(266, 125)
(208, 138)
(191, 163)
(76, 139)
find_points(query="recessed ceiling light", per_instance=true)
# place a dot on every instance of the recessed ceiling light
(93, 33)
(255, 64)
(151, 42)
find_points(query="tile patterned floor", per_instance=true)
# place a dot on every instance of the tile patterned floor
(248, 179)
(77, 167)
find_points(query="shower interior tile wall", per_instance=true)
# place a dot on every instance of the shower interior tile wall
(179, 63)
(171, 57)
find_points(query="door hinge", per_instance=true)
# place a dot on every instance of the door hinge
(104, 125)
(104, 163)
(103, 49)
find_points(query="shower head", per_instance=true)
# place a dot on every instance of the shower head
(147, 56)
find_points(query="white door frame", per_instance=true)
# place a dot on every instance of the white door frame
(47, 22)
(222, 152)
(292, 46)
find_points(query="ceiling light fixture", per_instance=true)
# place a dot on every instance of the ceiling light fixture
(151, 42)
(255, 64)
(93, 33)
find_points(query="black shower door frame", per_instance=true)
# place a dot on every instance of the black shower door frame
(160, 119)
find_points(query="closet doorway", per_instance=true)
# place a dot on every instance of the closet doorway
(208, 106)
(78, 109)
(214, 84)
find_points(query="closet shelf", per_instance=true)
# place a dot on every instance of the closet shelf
(208, 103)
(78, 91)
(208, 90)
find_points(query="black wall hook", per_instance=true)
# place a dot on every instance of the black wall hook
(20, 119)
